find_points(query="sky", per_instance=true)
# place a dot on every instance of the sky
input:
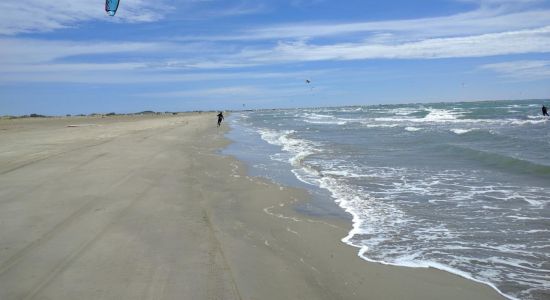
(69, 57)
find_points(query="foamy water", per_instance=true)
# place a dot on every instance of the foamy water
(461, 187)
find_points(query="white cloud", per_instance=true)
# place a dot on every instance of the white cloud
(44, 15)
(208, 93)
(75, 67)
(521, 69)
(33, 60)
(25, 60)
(479, 33)
(128, 73)
(480, 21)
(35, 51)
(516, 42)
(199, 64)
(232, 93)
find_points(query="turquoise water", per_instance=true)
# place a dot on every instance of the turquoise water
(462, 187)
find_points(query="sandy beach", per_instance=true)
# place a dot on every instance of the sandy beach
(145, 207)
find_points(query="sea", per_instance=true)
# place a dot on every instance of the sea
(461, 187)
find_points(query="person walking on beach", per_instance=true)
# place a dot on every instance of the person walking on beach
(545, 111)
(220, 118)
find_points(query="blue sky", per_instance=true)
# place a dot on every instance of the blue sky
(68, 57)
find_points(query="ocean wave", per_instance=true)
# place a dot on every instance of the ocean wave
(298, 148)
(439, 120)
(381, 125)
(378, 223)
(373, 218)
(462, 131)
(501, 161)
(404, 111)
(435, 119)
(527, 122)
(316, 116)
(351, 109)
(320, 122)
(442, 115)
(415, 213)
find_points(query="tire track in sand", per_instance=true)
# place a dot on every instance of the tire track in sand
(65, 263)
(59, 227)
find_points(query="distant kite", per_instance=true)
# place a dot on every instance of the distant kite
(308, 82)
(111, 6)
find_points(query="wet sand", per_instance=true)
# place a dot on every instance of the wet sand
(144, 207)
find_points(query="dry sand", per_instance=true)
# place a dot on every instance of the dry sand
(145, 208)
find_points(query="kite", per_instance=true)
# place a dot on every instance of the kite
(111, 6)
(308, 82)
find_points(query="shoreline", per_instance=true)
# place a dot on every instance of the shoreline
(341, 227)
(348, 222)
(149, 208)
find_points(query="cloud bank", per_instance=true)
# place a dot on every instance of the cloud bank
(494, 28)
(44, 16)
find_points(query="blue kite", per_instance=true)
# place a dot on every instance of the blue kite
(111, 6)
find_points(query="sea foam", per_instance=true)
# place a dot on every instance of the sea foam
(433, 199)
